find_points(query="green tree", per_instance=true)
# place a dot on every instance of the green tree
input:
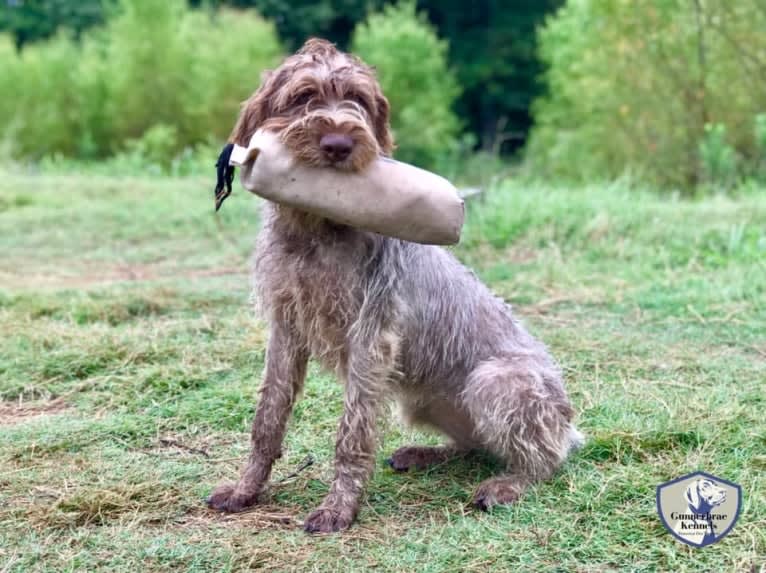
(297, 20)
(493, 49)
(492, 45)
(411, 63)
(633, 84)
(31, 20)
(155, 68)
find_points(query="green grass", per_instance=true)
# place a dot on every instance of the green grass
(127, 348)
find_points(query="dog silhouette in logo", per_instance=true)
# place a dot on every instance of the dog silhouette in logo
(702, 496)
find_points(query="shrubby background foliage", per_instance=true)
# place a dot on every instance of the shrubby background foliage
(39, 19)
(412, 68)
(159, 79)
(670, 89)
(491, 45)
(156, 69)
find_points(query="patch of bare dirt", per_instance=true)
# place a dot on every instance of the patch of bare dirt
(11, 414)
(103, 275)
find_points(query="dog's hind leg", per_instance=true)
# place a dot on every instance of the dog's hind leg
(521, 414)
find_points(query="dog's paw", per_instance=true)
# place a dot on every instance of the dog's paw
(497, 491)
(328, 520)
(226, 498)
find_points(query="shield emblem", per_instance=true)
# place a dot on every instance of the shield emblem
(699, 508)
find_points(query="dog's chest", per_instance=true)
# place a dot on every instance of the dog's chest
(318, 288)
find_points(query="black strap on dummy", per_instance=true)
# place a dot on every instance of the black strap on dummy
(225, 174)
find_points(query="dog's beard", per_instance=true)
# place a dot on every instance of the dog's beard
(302, 137)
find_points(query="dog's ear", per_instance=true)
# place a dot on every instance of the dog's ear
(692, 495)
(255, 110)
(382, 127)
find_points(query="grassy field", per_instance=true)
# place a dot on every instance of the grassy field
(130, 359)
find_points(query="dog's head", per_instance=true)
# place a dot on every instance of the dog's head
(703, 495)
(326, 105)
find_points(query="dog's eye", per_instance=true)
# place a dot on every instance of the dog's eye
(359, 99)
(303, 98)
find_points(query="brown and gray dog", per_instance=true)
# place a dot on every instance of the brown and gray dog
(391, 318)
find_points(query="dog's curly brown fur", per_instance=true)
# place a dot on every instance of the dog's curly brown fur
(391, 318)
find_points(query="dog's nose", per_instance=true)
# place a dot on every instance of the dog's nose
(335, 146)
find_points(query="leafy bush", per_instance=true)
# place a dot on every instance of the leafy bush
(157, 73)
(633, 85)
(412, 68)
(719, 159)
(157, 145)
(760, 145)
(41, 89)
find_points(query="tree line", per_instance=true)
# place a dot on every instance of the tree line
(491, 45)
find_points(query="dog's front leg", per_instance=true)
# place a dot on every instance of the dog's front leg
(356, 442)
(286, 361)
